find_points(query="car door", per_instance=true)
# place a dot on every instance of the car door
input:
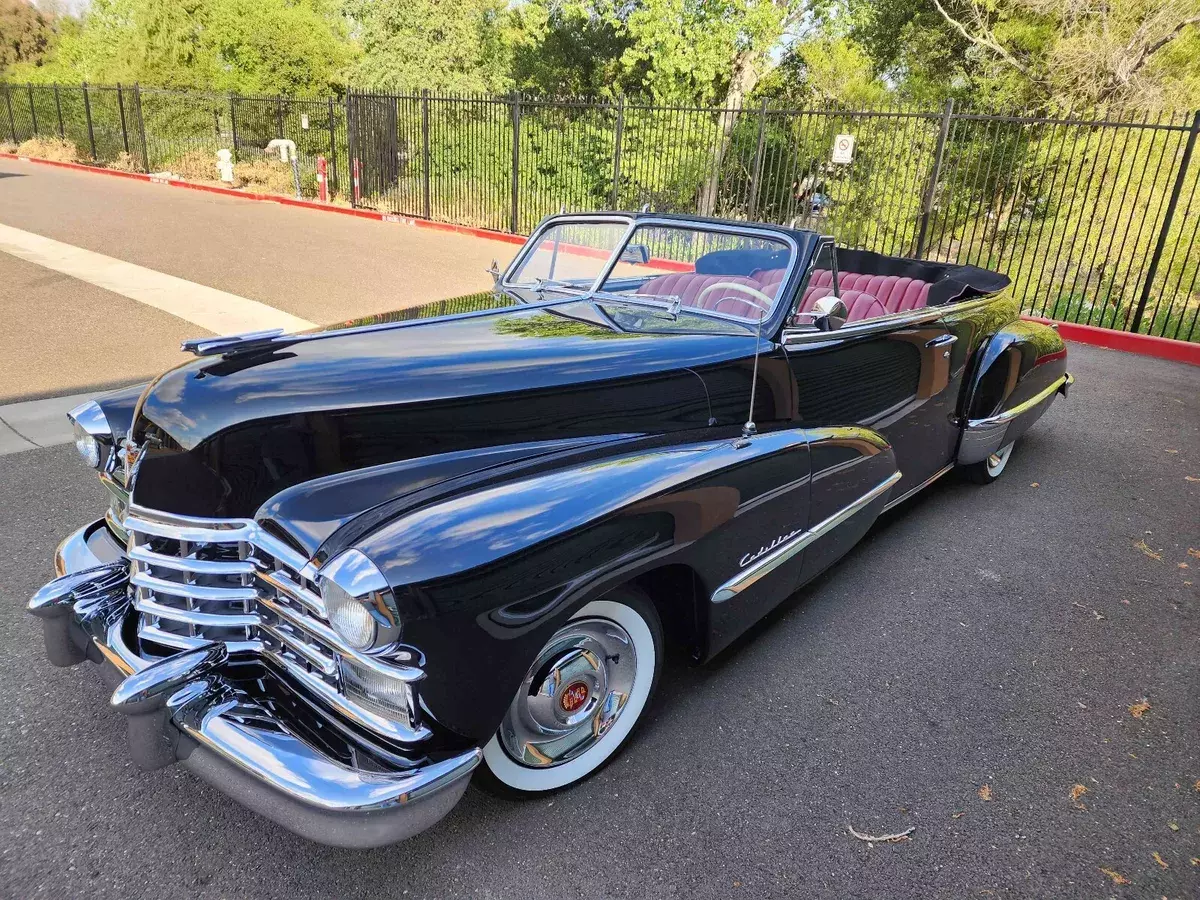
(891, 374)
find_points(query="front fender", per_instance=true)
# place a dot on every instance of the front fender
(1019, 371)
(484, 578)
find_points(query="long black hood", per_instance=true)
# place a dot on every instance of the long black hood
(222, 435)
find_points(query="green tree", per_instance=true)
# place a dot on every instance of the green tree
(408, 45)
(26, 33)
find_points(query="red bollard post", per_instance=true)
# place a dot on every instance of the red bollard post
(322, 180)
(357, 185)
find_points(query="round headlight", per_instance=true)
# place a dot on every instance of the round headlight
(349, 618)
(91, 427)
(88, 446)
(359, 601)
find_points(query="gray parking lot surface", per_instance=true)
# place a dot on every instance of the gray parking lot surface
(981, 639)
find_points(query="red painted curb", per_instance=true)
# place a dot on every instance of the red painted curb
(284, 201)
(1142, 344)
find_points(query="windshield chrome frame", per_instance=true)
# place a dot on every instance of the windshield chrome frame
(633, 223)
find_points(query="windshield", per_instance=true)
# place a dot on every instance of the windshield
(727, 273)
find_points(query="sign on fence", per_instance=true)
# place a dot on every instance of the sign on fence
(843, 148)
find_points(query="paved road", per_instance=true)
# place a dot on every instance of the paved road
(980, 637)
(320, 267)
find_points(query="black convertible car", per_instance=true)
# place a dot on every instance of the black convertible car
(343, 570)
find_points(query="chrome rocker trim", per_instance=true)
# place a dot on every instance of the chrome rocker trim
(781, 554)
(180, 709)
(983, 437)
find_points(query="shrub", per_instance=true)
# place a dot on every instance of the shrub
(55, 149)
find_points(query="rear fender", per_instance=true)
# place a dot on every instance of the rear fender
(1020, 370)
(484, 578)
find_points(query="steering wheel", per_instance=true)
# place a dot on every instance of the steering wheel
(753, 292)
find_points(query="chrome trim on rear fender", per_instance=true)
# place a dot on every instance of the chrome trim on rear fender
(781, 554)
(983, 437)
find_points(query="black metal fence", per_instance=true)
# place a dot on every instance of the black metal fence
(1094, 214)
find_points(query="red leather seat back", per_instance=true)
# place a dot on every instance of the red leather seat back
(688, 286)
(894, 292)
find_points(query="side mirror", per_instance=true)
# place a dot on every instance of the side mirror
(829, 314)
(637, 254)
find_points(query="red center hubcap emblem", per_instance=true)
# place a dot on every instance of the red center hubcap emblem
(574, 695)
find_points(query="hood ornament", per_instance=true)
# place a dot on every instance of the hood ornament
(229, 343)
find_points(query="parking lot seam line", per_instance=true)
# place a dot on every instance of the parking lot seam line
(213, 310)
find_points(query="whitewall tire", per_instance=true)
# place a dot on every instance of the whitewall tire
(583, 696)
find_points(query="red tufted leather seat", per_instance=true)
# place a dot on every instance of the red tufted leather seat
(896, 293)
(688, 286)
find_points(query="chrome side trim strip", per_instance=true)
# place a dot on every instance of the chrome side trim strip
(920, 316)
(784, 552)
(924, 484)
(1021, 408)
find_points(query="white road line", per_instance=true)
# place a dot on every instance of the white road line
(214, 310)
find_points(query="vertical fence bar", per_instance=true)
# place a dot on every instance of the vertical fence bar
(426, 205)
(350, 164)
(756, 174)
(279, 117)
(618, 137)
(12, 120)
(87, 111)
(62, 131)
(514, 219)
(333, 167)
(137, 107)
(233, 124)
(1176, 190)
(124, 124)
(32, 111)
(936, 173)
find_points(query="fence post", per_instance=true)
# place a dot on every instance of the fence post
(333, 183)
(618, 138)
(32, 110)
(233, 123)
(350, 150)
(758, 157)
(426, 204)
(87, 111)
(124, 124)
(1159, 245)
(12, 120)
(279, 116)
(514, 213)
(62, 132)
(931, 190)
(137, 105)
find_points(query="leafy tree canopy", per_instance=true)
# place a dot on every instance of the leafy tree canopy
(26, 33)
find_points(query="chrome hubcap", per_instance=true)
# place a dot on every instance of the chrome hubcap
(573, 695)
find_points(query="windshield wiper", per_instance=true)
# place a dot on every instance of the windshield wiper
(670, 306)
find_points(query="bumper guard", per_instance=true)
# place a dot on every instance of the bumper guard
(181, 709)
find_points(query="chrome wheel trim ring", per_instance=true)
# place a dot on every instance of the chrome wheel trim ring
(534, 778)
(998, 460)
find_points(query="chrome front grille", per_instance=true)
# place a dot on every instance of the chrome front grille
(201, 580)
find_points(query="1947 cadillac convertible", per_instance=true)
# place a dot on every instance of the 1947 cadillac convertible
(343, 570)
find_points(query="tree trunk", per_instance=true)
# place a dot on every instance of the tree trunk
(741, 83)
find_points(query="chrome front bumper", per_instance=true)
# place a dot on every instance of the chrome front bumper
(181, 709)
(983, 437)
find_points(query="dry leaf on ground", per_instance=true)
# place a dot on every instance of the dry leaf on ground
(1191, 478)
(1158, 859)
(1192, 551)
(1173, 826)
(1117, 877)
(1078, 791)
(1197, 784)
(1035, 484)
(985, 792)
(1139, 709)
(1145, 548)
(883, 838)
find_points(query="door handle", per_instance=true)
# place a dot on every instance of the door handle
(942, 340)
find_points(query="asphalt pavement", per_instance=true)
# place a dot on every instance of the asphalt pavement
(968, 665)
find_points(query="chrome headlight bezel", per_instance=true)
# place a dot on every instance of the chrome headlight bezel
(357, 594)
(93, 434)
